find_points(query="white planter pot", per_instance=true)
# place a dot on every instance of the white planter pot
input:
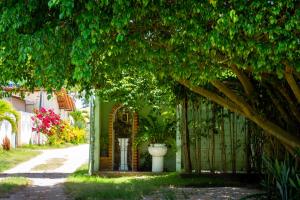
(157, 151)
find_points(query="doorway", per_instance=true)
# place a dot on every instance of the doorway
(122, 139)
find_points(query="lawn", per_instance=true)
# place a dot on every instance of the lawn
(81, 186)
(7, 185)
(44, 147)
(9, 159)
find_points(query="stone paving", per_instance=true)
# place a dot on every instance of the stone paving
(48, 183)
(210, 193)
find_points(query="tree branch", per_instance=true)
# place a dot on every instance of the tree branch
(240, 106)
(212, 96)
(277, 104)
(291, 104)
(291, 81)
(268, 126)
(247, 85)
(233, 97)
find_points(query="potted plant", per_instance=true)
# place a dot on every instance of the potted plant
(158, 131)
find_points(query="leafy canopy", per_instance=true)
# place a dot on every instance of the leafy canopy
(51, 43)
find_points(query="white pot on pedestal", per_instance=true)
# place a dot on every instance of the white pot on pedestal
(157, 151)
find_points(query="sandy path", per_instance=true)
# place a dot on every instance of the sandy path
(47, 183)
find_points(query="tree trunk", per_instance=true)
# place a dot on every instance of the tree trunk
(234, 141)
(185, 138)
(223, 147)
(199, 138)
(213, 130)
(248, 148)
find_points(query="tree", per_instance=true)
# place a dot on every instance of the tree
(242, 55)
(80, 118)
(8, 113)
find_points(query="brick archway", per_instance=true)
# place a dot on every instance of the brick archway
(106, 163)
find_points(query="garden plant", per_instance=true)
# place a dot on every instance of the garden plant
(58, 131)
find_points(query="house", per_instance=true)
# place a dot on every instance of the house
(61, 102)
(211, 150)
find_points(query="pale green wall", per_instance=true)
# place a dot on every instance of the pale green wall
(206, 143)
(170, 159)
(103, 119)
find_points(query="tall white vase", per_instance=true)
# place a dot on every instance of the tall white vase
(157, 151)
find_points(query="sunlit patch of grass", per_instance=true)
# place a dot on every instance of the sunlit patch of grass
(81, 186)
(42, 147)
(50, 164)
(11, 184)
(11, 158)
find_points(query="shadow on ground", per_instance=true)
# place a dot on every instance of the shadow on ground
(36, 175)
(159, 186)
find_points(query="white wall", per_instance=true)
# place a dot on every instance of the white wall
(25, 134)
(6, 130)
(46, 103)
(25, 128)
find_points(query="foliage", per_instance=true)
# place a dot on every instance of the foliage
(136, 89)
(44, 120)
(68, 134)
(283, 177)
(243, 55)
(58, 131)
(157, 128)
(8, 113)
(80, 118)
(6, 143)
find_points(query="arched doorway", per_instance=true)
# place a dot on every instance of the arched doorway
(111, 160)
(122, 139)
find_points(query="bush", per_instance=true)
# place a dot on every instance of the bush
(282, 181)
(45, 120)
(57, 130)
(66, 134)
(6, 143)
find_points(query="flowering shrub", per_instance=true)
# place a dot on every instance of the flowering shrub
(58, 131)
(69, 134)
(44, 120)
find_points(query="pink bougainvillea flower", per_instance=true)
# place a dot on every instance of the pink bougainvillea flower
(44, 120)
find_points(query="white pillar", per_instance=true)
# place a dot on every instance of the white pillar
(123, 143)
(157, 163)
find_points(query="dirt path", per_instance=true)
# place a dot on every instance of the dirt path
(47, 173)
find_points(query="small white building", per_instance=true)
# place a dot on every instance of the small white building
(61, 103)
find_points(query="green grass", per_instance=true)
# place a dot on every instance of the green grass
(10, 184)
(42, 147)
(50, 164)
(9, 159)
(81, 186)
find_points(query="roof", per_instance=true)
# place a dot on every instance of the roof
(64, 100)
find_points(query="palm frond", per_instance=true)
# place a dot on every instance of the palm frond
(8, 113)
